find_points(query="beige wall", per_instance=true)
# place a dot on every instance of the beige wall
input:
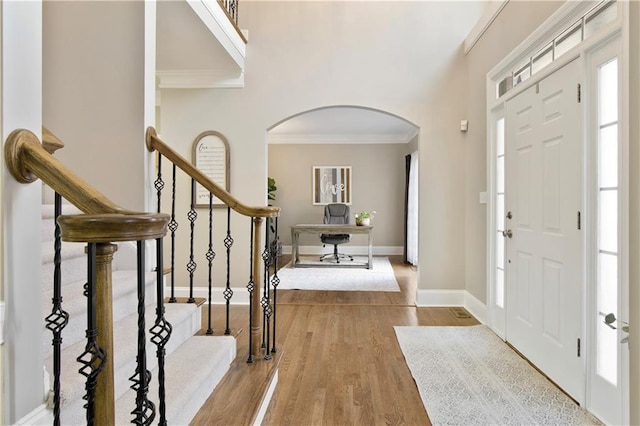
(516, 21)
(300, 57)
(634, 213)
(93, 92)
(377, 182)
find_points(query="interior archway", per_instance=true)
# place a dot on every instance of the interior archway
(374, 144)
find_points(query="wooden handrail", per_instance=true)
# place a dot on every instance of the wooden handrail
(156, 144)
(103, 223)
(28, 160)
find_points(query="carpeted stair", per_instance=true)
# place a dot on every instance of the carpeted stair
(186, 391)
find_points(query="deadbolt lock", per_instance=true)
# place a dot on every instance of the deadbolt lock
(509, 215)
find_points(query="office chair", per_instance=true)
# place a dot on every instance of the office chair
(335, 214)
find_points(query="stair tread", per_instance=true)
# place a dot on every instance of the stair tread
(124, 290)
(208, 353)
(125, 347)
(68, 251)
(124, 281)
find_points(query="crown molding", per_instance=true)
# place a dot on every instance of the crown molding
(333, 138)
(199, 79)
(493, 10)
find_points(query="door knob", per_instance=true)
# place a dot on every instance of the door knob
(507, 233)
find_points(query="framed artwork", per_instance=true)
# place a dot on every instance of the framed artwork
(331, 184)
(211, 156)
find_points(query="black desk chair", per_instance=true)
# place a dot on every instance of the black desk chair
(335, 214)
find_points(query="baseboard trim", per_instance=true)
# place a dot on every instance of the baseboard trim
(475, 307)
(443, 298)
(267, 399)
(353, 250)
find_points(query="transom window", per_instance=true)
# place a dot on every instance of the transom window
(589, 24)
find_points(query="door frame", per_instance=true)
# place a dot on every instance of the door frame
(569, 13)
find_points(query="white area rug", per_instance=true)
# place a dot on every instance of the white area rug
(380, 278)
(469, 376)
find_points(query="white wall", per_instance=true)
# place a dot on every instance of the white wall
(21, 108)
(305, 55)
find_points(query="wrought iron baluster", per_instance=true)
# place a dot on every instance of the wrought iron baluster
(265, 302)
(160, 332)
(192, 216)
(250, 287)
(173, 226)
(275, 281)
(57, 320)
(93, 357)
(232, 7)
(159, 183)
(228, 293)
(210, 256)
(145, 410)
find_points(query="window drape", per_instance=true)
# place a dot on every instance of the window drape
(412, 211)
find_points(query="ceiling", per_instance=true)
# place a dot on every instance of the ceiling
(343, 124)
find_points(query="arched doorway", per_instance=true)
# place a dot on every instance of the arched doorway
(377, 147)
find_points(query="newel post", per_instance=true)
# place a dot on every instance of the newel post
(100, 231)
(105, 399)
(256, 314)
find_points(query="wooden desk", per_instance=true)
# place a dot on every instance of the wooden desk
(316, 228)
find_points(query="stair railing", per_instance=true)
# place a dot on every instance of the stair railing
(102, 224)
(261, 285)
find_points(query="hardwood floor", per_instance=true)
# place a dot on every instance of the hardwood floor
(340, 362)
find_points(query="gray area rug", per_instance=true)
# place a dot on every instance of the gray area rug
(380, 278)
(469, 376)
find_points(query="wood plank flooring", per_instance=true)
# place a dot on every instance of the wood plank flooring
(341, 363)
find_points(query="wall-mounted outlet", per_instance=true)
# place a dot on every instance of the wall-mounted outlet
(483, 198)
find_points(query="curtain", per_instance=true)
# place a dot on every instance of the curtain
(412, 210)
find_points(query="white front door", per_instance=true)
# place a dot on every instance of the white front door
(544, 289)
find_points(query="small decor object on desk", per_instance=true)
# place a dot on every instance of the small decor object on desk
(364, 218)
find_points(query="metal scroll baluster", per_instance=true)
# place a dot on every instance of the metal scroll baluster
(210, 256)
(160, 333)
(159, 183)
(250, 287)
(93, 357)
(145, 410)
(265, 302)
(275, 281)
(192, 265)
(58, 318)
(173, 227)
(228, 293)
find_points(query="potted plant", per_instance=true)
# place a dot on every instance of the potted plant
(364, 218)
(275, 245)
